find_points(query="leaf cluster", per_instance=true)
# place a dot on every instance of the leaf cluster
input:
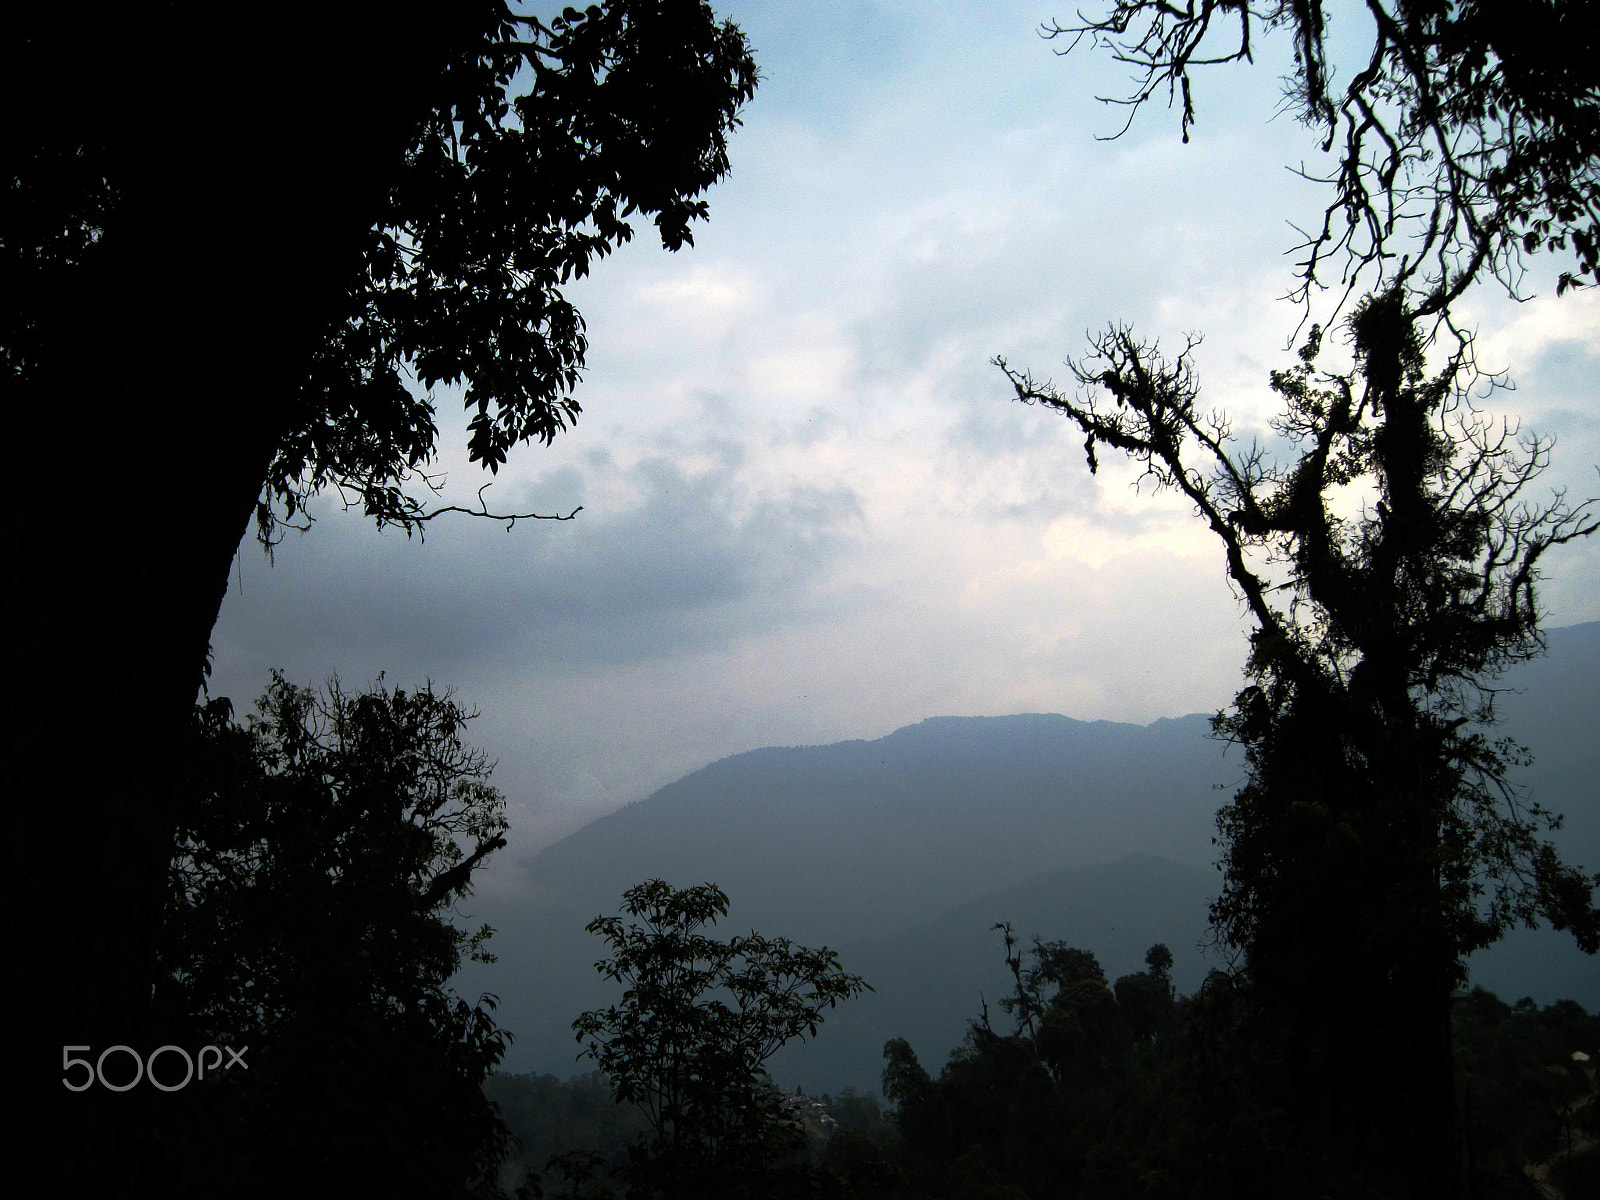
(544, 140)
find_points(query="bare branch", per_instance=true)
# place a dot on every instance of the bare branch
(482, 511)
(1468, 139)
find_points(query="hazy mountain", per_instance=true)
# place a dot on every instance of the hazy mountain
(1552, 706)
(902, 852)
(859, 838)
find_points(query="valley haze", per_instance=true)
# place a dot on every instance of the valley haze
(902, 853)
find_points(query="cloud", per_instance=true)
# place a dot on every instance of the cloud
(812, 509)
(669, 553)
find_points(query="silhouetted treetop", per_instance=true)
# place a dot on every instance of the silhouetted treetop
(688, 1042)
(1466, 136)
(324, 843)
(513, 164)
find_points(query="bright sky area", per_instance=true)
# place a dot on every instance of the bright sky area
(811, 510)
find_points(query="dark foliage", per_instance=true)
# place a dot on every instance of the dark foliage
(500, 202)
(1525, 1081)
(689, 1039)
(231, 238)
(1377, 817)
(323, 846)
(507, 169)
(1187, 1115)
(856, 1112)
(1036, 1112)
(549, 1117)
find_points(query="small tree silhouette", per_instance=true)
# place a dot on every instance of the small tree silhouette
(689, 1040)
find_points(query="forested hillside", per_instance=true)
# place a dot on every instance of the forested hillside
(903, 851)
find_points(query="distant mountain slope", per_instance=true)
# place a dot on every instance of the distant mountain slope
(933, 979)
(885, 847)
(858, 838)
(1553, 707)
(1553, 703)
(831, 844)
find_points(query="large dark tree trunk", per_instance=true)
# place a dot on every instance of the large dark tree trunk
(1352, 963)
(232, 160)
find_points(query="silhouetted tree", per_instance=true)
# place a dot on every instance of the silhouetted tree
(323, 845)
(688, 1042)
(1377, 819)
(1466, 134)
(991, 1123)
(1081, 1033)
(1061, 1106)
(549, 1117)
(229, 236)
(1525, 1079)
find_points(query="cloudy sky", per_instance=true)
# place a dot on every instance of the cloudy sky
(810, 510)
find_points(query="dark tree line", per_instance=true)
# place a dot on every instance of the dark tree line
(1094, 1090)
(1129, 1092)
(1017, 1113)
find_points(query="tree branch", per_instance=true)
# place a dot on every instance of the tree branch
(482, 511)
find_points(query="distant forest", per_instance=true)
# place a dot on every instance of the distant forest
(1115, 1090)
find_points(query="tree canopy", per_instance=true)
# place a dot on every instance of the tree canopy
(1183, 1114)
(323, 847)
(1043, 1110)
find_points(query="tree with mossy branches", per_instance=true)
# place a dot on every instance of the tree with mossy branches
(1389, 561)
(1380, 836)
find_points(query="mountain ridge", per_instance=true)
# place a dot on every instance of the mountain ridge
(866, 844)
